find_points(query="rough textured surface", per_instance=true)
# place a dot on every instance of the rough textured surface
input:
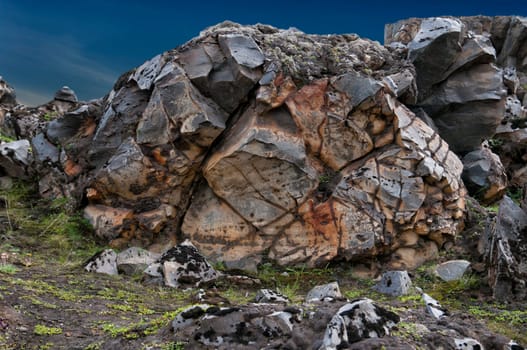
(330, 291)
(448, 53)
(394, 283)
(255, 143)
(355, 321)
(506, 252)
(484, 175)
(452, 270)
(103, 262)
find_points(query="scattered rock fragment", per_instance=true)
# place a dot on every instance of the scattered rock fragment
(103, 262)
(452, 270)
(270, 296)
(329, 291)
(134, 260)
(394, 283)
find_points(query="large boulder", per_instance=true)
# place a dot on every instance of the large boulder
(258, 143)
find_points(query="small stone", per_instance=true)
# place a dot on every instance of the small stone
(103, 262)
(394, 283)
(270, 296)
(330, 290)
(452, 270)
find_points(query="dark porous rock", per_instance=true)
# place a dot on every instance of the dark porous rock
(506, 253)
(355, 321)
(484, 175)
(103, 262)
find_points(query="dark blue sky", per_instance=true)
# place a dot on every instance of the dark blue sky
(88, 44)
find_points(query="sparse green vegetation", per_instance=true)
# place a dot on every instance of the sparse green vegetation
(9, 269)
(44, 330)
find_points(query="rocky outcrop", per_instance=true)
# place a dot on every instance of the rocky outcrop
(255, 142)
(505, 244)
(7, 94)
(448, 53)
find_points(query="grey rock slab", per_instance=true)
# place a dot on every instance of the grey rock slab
(357, 86)
(242, 49)
(270, 296)
(394, 283)
(15, 158)
(452, 270)
(329, 290)
(434, 49)
(134, 260)
(145, 74)
(44, 150)
(103, 262)
(276, 324)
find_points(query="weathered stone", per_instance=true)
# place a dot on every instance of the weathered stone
(236, 243)
(276, 324)
(134, 260)
(145, 74)
(505, 255)
(184, 265)
(270, 296)
(511, 80)
(484, 175)
(433, 50)
(452, 270)
(15, 158)
(43, 150)
(514, 50)
(7, 94)
(329, 290)
(66, 94)
(107, 221)
(433, 307)
(103, 262)
(468, 344)
(243, 169)
(394, 283)
(355, 321)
